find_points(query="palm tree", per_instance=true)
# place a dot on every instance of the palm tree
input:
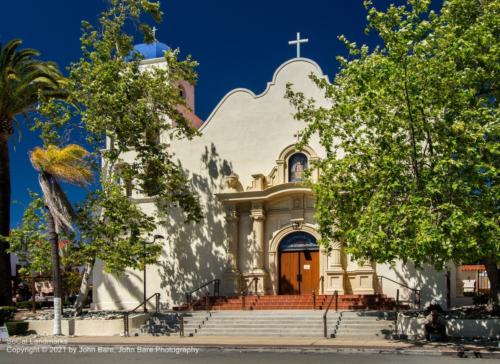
(56, 164)
(23, 79)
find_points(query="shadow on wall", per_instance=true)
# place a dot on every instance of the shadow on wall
(196, 253)
(133, 286)
(413, 327)
(430, 282)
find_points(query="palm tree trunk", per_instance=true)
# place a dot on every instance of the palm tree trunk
(84, 288)
(56, 272)
(5, 268)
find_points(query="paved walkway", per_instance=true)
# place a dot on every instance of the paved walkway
(252, 342)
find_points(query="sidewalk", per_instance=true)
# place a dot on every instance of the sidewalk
(289, 343)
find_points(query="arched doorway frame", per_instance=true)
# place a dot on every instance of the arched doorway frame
(273, 252)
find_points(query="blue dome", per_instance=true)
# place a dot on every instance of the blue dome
(152, 50)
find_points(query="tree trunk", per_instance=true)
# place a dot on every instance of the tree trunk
(5, 268)
(84, 288)
(56, 272)
(494, 277)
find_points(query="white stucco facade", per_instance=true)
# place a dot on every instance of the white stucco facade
(239, 167)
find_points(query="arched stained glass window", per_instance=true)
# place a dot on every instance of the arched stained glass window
(297, 164)
(298, 241)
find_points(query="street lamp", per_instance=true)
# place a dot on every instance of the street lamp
(156, 237)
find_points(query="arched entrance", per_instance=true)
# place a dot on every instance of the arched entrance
(298, 263)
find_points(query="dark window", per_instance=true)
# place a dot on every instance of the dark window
(182, 92)
(298, 241)
(297, 165)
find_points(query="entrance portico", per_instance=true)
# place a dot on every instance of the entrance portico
(272, 236)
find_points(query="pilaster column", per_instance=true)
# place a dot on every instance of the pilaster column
(335, 271)
(232, 219)
(361, 276)
(232, 275)
(281, 171)
(258, 217)
(335, 257)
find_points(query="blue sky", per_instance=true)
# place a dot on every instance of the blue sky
(237, 43)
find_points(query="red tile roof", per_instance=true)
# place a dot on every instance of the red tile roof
(472, 267)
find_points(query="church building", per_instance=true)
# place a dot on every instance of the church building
(259, 223)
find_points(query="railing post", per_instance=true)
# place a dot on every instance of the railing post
(242, 300)
(207, 296)
(256, 285)
(325, 328)
(181, 328)
(322, 285)
(397, 300)
(314, 299)
(216, 288)
(397, 312)
(125, 325)
(157, 303)
(336, 301)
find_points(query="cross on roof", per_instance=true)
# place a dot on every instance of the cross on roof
(297, 42)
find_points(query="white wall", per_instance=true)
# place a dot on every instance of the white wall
(244, 135)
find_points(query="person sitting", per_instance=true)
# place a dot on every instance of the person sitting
(434, 326)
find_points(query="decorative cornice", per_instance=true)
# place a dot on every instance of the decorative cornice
(267, 194)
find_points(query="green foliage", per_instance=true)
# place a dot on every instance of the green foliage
(29, 241)
(23, 79)
(411, 137)
(125, 108)
(117, 231)
(130, 104)
(17, 327)
(6, 313)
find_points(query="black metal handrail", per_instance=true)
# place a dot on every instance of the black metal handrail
(417, 292)
(325, 320)
(321, 284)
(126, 314)
(244, 291)
(215, 282)
(157, 303)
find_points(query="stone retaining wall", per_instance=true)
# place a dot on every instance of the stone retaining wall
(78, 327)
(484, 328)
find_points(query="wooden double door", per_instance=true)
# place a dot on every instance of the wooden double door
(299, 272)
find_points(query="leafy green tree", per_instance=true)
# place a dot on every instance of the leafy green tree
(115, 231)
(411, 138)
(23, 79)
(126, 109)
(27, 241)
(136, 109)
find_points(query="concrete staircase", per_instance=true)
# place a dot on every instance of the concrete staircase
(353, 325)
(365, 325)
(302, 323)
